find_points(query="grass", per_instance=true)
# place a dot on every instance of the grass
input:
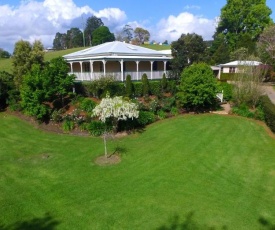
(6, 64)
(220, 168)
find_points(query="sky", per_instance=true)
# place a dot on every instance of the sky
(165, 19)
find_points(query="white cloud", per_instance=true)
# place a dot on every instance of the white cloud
(42, 20)
(172, 27)
(189, 7)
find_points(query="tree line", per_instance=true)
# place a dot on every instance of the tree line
(95, 33)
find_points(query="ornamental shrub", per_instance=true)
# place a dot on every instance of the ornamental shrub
(87, 105)
(96, 128)
(269, 112)
(164, 83)
(161, 114)
(155, 88)
(137, 89)
(129, 87)
(146, 118)
(145, 85)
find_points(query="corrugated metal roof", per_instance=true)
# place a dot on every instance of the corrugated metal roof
(245, 63)
(115, 48)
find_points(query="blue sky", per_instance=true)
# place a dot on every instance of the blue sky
(42, 19)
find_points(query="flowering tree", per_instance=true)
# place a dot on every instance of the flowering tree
(115, 109)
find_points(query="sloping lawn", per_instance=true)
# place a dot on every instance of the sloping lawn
(221, 169)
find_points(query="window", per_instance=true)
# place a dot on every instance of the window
(231, 69)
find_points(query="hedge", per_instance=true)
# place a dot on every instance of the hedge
(269, 111)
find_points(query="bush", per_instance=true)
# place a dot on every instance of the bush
(174, 111)
(161, 114)
(172, 86)
(164, 83)
(87, 105)
(243, 111)
(269, 112)
(227, 90)
(57, 115)
(96, 128)
(155, 88)
(145, 85)
(67, 125)
(146, 118)
(137, 89)
(168, 103)
(128, 87)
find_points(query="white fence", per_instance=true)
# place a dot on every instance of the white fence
(135, 76)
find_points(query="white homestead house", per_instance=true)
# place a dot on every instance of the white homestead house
(118, 59)
(236, 66)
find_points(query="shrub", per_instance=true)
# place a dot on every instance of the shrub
(145, 118)
(67, 125)
(137, 89)
(87, 105)
(145, 85)
(154, 105)
(172, 86)
(57, 115)
(161, 114)
(227, 90)
(96, 128)
(243, 111)
(128, 87)
(174, 111)
(168, 103)
(269, 112)
(155, 88)
(164, 83)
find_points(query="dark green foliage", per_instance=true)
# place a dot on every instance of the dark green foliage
(98, 88)
(188, 49)
(244, 111)
(155, 87)
(87, 105)
(145, 85)
(74, 38)
(164, 83)
(101, 35)
(146, 118)
(269, 112)
(6, 84)
(198, 88)
(172, 87)
(4, 54)
(129, 87)
(227, 90)
(96, 128)
(168, 103)
(92, 24)
(138, 86)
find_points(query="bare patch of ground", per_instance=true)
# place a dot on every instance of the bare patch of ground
(108, 160)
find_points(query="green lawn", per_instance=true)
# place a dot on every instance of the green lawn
(218, 167)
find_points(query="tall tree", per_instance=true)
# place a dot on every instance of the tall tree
(92, 23)
(243, 20)
(198, 88)
(141, 35)
(188, 49)
(59, 42)
(266, 45)
(24, 56)
(74, 38)
(101, 35)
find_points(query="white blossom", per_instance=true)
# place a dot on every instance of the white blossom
(117, 108)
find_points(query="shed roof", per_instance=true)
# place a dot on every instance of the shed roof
(241, 63)
(116, 50)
